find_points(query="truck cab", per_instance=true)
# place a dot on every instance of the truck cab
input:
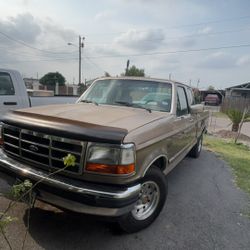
(13, 95)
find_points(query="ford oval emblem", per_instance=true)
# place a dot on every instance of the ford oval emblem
(33, 148)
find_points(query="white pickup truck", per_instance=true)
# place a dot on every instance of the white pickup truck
(13, 93)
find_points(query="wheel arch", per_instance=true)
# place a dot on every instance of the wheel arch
(160, 161)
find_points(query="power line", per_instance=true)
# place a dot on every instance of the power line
(144, 54)
(26, 55)
(90, 65)
(180, 37)
(148, 40)
(93, 63)
(174, 52)
(43, 60)
(181, 26)
(32, 47)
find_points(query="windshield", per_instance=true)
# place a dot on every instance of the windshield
(151, 95)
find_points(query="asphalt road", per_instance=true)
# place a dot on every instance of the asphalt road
(204, 211)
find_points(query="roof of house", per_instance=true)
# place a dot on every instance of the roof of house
(240, 86)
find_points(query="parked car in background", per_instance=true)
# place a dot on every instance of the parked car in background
(125, 142)
(13, 93)
(212, 99)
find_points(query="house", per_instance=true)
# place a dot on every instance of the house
(237, 97)
(35, 88)
(32, 83)
(242, 90)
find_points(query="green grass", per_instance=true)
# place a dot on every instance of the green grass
(220, 115)
(236, 155)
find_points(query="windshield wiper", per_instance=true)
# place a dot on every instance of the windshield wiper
(129, 104)
(88, 101)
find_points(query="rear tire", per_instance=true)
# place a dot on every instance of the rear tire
(196, 150)
(150, 203)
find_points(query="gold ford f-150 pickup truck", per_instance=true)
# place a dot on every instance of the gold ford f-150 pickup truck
(126, 134)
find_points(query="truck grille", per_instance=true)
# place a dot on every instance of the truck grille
(43, 149)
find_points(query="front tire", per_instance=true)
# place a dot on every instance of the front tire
(150, 203)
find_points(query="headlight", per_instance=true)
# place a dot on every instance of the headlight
(1, 134)
(111, 159)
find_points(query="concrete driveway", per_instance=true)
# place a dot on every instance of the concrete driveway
(204, 211)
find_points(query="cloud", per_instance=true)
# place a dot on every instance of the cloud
(243, 60)
(41, 34)
(104, 15)
(26, 28)
(165, 63)
(145, 1)
(205, 30)
(55, 30)
(141, 40)
(22, 27)
(185, 42)
(218, 60)
(103, 50)
(25, 2)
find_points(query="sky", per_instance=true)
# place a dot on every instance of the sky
(197, 42)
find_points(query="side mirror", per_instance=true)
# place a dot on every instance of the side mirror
(196, 109)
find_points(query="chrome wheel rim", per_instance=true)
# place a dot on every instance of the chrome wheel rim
(147, 202)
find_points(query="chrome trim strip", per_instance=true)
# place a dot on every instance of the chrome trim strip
(12, 153)
(11, 136)
(60, 160)
(35, 143)
(179, 153)
(34, 153)
(24, 170)
(65, 151)
(11, 145)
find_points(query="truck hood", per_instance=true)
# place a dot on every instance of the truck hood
(89, 118)
(106, 115)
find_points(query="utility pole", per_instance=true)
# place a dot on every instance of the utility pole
(81, 45)
(198, 82)
(126, 70)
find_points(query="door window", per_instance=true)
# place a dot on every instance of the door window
(190, 97)
(182, 105)
(6, 85)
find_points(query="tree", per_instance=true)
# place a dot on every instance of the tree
(51, 78)
(106, 74)
(134, 71)
(210, 87)
(237, 117)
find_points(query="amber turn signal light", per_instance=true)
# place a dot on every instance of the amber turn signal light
(110, 169)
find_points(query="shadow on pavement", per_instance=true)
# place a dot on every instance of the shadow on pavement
(202, 212)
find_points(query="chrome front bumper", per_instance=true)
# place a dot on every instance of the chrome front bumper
(10, 166)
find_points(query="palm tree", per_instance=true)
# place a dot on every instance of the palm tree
(236, 117)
